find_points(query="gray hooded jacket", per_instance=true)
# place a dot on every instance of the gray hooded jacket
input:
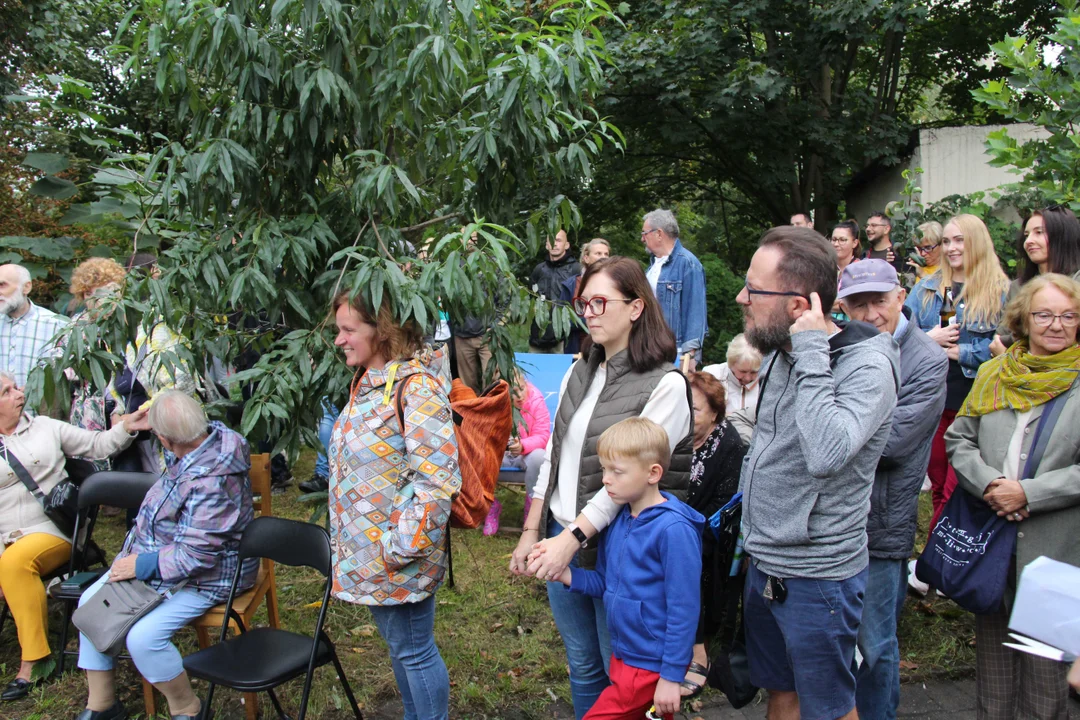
(894, 503)
(823, 418)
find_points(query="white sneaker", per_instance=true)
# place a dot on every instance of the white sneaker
(915, 583)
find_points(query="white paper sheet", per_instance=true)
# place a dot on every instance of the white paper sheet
(1047, 606)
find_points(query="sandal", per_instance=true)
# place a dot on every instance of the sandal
(694, 688)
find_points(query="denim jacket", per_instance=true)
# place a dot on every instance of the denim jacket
(681, 294)
(975, 338)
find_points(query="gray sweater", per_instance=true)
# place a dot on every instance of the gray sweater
(823, 420)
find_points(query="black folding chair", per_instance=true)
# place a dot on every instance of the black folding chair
(259, 660)
(109, 487)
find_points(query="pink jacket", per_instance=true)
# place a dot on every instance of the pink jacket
(536, 428)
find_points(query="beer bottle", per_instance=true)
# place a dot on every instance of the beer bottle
(948, 309)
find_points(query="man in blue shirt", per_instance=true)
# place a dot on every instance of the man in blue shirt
(678, 280)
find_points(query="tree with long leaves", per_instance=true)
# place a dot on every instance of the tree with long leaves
(309, 146)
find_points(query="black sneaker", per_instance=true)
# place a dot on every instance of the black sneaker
(317, 483)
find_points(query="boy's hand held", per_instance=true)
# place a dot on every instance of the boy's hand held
(667, 698)
(564, 577)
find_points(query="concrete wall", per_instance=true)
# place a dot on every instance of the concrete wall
(954, 162)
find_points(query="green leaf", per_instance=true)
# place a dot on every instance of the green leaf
(51, 163)
(403, 178)
(250, 418)
(419, 311)
(54, 187)
(79, 213)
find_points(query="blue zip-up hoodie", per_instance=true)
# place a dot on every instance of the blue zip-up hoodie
(649, 575)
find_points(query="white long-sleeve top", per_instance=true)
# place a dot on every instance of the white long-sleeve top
(666, 407)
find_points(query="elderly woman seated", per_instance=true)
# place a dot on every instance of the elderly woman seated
(188, 528)
(30, 544)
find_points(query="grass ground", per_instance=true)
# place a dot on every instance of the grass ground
(495, 632)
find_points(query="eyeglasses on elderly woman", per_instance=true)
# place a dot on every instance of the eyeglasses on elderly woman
(1046, 319)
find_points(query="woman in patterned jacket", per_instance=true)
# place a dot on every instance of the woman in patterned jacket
(392, 478)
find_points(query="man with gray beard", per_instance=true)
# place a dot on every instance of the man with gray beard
(27, 332)
(824, 412)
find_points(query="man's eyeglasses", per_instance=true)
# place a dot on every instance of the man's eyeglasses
(783, 293)
(876, 225)
(646, 233)
(926, 249)
(1046, 319)
(597, 304)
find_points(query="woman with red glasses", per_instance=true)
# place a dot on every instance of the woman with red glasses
(625, 371)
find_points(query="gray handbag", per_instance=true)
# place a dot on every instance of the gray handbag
(110, 613)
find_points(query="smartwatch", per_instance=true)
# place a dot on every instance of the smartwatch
(578, 533)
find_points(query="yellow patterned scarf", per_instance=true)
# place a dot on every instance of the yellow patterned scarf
(1019, 380)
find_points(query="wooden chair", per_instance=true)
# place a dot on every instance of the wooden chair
(245, 605)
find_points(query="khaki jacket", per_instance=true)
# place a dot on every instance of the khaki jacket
(977, 447)
(41, 444)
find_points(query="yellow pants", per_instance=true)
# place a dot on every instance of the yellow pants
(21, 568)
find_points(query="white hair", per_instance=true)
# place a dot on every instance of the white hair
(663, 220)
(177, 417)
(740, 349)
(5, 375)
(22, 273)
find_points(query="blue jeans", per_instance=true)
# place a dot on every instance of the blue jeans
(149, 640)
(877, 680)
(326, 427)
(582, 623)
(409, 632)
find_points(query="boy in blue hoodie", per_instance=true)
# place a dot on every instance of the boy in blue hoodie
(648, 573)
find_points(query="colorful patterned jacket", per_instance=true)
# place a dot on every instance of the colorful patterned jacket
(191, 520)
(390, 491)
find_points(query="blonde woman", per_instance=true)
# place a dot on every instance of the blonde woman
(971, 272)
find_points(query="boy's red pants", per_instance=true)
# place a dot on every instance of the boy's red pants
(628, 697)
